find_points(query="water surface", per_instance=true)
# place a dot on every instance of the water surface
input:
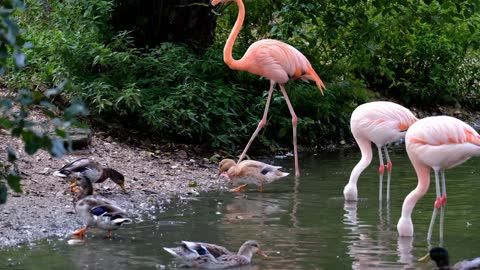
(302, 224)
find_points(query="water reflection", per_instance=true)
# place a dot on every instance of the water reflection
(301, 223)
(369, 247)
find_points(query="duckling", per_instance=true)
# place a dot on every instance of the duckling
(93, 171)
(441, 258)
(211, 256)
(95, 210)
(250, 172)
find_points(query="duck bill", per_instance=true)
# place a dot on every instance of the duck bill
(425, 258)
(122, 186)
(223, 174)
(262, 254)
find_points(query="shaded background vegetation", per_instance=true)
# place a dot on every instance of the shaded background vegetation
(16, 107)
(421, 53)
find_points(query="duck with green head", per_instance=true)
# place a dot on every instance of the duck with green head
(95, 210)
(93, 171)
(440, 256)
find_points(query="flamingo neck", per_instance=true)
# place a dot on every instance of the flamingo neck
(366, 149)
(423, 174)
(227, 50)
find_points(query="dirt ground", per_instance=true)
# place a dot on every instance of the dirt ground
(152, 178)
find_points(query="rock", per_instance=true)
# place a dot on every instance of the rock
(79, 137)
(182, 154)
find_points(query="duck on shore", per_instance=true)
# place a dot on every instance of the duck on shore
(93, 171)
(95, 210)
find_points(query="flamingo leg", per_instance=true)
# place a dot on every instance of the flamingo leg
(436, 206)
(381, 169)
(109, 234)
(260, 124)
(444, 201)
(389, 171)
(260, 188)
(294, 127)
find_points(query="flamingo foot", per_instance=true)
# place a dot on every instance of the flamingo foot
(381, 169)
(80, 233)
(239, 188)
(389, 166)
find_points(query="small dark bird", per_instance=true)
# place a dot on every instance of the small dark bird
(93, 171)
(440, 256)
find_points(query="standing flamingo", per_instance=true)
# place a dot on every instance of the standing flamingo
(381, 123)
(274, 60)
(438, 142)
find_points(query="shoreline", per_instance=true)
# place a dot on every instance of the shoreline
(154, 174)
(45, 208)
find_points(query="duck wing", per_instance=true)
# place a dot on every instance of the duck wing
(252, 167)
(188, 251)
(79, 165)
(467, 264)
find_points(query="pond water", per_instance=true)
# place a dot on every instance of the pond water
(302, 224)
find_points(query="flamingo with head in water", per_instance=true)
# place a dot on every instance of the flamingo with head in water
(381, 123)
(440, 143)
(274, 60)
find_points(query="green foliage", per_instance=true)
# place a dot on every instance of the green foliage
(420, 52)
(15, 119)
(15, 109)
(169, 90)
(411, 50)
(9, 35)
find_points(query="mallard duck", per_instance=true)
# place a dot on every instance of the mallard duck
(93, 171)
(250, 172)
(95, 210)
(211, 256)
(441, 258)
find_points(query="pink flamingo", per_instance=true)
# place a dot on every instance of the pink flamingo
(381, 123)
(274, 60)
(438, 142)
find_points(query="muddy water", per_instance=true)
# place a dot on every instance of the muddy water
(302, 224)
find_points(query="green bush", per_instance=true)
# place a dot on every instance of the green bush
(410, 50)
(418, 52)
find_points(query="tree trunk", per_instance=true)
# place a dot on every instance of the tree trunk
(155, 21)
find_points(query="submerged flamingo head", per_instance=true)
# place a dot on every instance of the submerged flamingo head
(405, 227)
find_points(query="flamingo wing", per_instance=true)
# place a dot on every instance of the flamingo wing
(276, 61)
(442, 141)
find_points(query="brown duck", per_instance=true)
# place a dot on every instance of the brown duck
(250, 172)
